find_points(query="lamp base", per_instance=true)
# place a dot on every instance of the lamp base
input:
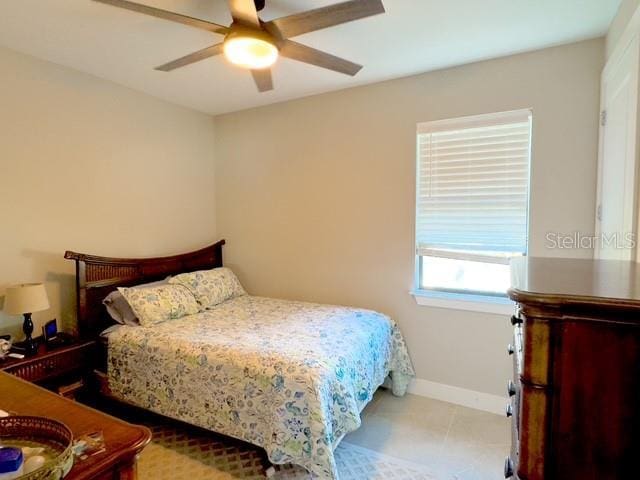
(30, 347)
(29, 344)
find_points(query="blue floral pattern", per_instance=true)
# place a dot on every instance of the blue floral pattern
(211, 287)
(158, 304)
(291, 377)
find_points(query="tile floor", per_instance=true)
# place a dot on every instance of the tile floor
(458, 443)
(453, 442)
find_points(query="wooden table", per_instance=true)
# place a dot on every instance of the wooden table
(123, 441)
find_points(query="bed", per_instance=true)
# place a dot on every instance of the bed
(290, 377)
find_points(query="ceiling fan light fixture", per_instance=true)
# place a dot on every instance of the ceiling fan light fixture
(253, 51)
(254, 44)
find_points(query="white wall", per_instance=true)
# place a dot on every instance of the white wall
(316, 196)
(618, 24)
(94, 167)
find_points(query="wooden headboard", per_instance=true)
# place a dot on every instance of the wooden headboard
(96, 277)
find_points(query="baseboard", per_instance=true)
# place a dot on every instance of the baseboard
(459, 396)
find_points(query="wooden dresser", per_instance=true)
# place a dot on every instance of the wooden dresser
(123, 441)
(575, 393)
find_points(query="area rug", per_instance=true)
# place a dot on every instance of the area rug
(178, 451)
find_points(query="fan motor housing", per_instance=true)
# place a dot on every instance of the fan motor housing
(238, 30)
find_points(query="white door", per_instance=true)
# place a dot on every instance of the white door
(616, 214)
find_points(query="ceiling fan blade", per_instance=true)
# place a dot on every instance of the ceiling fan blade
(244, 11)
(192, 58)
(165, 14)
(324, 17)
(302, 53)
(263, 79)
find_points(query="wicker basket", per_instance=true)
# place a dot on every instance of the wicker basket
(55, 437)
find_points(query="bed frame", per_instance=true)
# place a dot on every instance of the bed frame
(96, 277)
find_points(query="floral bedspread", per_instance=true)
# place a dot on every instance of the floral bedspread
(290, 377)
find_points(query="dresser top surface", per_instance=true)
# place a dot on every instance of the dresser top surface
(576, 281)
(122, 439)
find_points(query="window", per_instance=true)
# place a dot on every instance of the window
(471, 202)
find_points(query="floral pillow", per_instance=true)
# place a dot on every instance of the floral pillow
(119, 309)
(211, 287)
(158, 304)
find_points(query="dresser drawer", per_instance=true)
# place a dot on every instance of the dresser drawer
(517, 373)
(514, 393)
(511, 463)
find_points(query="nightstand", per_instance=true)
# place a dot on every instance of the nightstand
(65, 370)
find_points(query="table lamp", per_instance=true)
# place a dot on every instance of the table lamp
(25, 299)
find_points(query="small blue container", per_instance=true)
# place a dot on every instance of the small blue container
(11, 461)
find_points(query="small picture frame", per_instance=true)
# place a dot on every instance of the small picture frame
(50, 331)
(52, 337)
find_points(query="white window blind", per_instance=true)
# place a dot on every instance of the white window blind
(473, 187)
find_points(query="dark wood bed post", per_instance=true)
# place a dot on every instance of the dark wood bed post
(96, 277)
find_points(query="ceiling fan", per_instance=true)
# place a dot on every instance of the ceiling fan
(255, 45)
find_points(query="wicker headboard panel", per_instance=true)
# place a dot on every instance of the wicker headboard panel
(96, 277)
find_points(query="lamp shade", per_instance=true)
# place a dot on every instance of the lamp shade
(26, 298)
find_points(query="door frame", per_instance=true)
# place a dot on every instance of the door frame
(631, 46)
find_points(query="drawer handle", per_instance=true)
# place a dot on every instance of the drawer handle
(510, 349)
(508, 468)
(511, 388)
(509, 410)
(515, 320)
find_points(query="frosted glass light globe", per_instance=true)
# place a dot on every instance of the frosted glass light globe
(250, 52)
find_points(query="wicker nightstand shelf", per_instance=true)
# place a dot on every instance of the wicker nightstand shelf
(64, 370)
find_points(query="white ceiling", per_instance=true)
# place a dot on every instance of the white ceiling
(413, 36)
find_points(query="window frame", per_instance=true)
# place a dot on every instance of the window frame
(464, 300)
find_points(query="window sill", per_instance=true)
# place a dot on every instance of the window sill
(461, 301)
